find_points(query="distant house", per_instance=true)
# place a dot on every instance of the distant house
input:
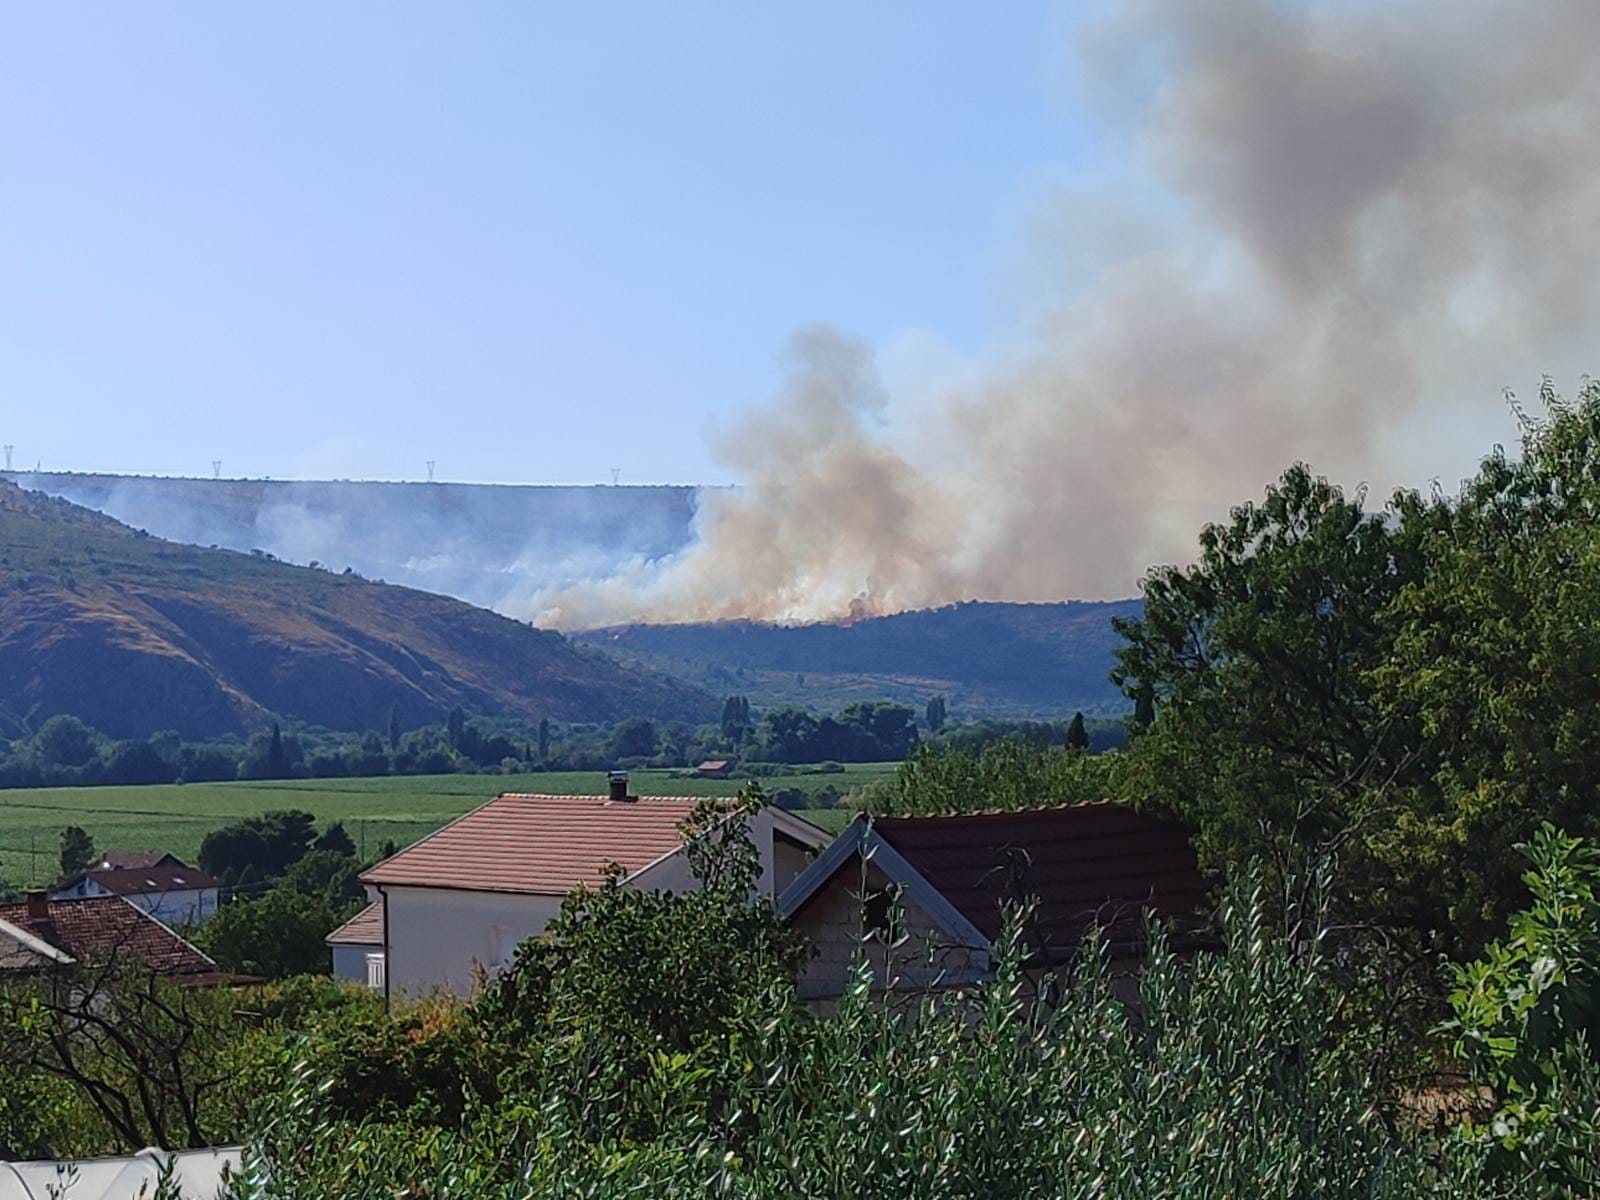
(43, 934)
(714, 768)
(357, 945)
(460, 901)
(951, 879)
(160, 884)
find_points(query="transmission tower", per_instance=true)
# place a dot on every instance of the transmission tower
(216, 468)
(616, 474)
(430, 469)
(8, 451)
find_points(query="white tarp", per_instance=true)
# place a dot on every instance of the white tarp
(197, 1174)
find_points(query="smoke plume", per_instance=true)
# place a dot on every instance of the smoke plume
(1321, 231)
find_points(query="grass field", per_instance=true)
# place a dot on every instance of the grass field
(176, 817)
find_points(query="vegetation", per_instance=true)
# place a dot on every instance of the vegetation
(989, 661)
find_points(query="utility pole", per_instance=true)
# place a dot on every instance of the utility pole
(430, 470)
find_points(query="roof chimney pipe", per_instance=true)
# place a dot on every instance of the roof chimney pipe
(619, 786)
(38, 905)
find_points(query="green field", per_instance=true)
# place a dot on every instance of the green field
(176, 817)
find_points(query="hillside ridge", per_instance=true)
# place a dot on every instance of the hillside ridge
(136, 634)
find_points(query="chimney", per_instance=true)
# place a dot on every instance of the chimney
(619, 786)
(38, 905)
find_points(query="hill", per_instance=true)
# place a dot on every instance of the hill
(493, 545)
(987, 659)
(136, 634)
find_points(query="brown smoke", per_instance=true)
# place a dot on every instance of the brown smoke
(1361, 223)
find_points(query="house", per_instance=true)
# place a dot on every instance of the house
(150, 1173)
(43, 934)
(157, 883)
(460, 901)
(714, 768)
(951, 879)
(357, 947)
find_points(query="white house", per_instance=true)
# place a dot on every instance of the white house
(160, 885)
(458, 903)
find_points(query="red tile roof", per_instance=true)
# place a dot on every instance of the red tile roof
(1092, 864)
(144, 881)
(543, 845)
(138, 860)
(100, 928)
(363, 929)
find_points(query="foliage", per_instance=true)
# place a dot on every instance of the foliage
(1077, 734)
(1527, 1016)
(77, 851)
(275, 936)
(1411, 690)
(267, 845)
(1008, 774)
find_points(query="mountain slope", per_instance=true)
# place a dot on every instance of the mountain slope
(986, 658)
(135, 634)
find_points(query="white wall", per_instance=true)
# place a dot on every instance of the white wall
(438, 935)
(350, 963)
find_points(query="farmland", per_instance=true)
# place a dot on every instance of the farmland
(176, 817)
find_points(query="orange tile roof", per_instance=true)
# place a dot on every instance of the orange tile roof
(363, 929)
(542, 845)
(100, 928)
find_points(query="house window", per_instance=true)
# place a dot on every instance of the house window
(375, 969)
(879, 909)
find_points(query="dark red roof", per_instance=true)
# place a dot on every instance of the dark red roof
(543, 845)
(1092, 864)
(138, 859)
(100, 928)
(144, 881)
(363, 929)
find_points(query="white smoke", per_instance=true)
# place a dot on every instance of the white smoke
(1336, 227)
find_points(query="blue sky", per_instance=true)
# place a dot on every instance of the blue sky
(531, 241)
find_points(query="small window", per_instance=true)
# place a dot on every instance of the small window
(375, 971)
(879, 908)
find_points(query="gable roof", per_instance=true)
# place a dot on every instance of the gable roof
(363, 929)
(146, 881)
(1084, 865)
(539, 845)
(98, 928)
(138, 860)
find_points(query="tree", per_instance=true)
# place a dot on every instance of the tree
(277, 762)
(328, 874)
(77, 852)
(336, 839)
(65, 741)
(394, 727)
(266, 845)
(544, 739)
(1144, 707)
(634, 738)
(138, 763)
(279, 935)
(736, 718)
(1077, 734)
(455, 727)
(934, 714)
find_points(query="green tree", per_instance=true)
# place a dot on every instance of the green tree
(278, 935)
(1144, 707)
(65, 741)
(1077, 734)
(266, 845)
(335, 838)
(329, 874)
(544, 740)
(634, 738)
(455, 727)
(934, 714)
(277, 761)
(77, 851)
(394, 727)
(736, 718)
